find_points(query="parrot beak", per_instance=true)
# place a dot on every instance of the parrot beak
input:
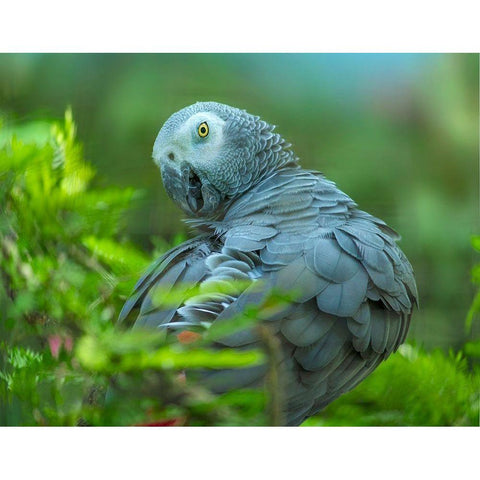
(194, 191)
(195, 197)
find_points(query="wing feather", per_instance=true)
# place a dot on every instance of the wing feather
(183, 264)
(306, 325)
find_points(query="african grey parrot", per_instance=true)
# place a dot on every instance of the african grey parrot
(271, 224)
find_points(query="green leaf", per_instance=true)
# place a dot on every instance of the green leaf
(475, 240)
(138, 350)
(472, 312)
(472, 349)
(121, 258)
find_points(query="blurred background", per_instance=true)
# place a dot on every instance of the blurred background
(397, 132)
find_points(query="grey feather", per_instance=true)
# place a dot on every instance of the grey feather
(305, 325)
(196, 249)
(380, 328)
(331, 262)
(243, 244)
(298, 280)
(324, 350)
(221, 381)
(347, 243)
(344, 299)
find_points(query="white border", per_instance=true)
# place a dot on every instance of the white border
(243, 453)
(240, 26)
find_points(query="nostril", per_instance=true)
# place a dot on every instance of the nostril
(171, 156)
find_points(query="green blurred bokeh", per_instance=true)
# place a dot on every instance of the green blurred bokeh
(397, 132)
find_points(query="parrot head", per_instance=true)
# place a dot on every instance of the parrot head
(210, 153)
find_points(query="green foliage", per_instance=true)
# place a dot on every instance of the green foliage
(475, 307)
(115, 352)
(53, 285)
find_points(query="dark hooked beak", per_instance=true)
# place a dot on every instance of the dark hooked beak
(194, 190)
(195, 196)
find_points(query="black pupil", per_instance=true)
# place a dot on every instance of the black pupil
(203, 130)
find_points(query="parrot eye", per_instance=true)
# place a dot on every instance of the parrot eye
(203, 129)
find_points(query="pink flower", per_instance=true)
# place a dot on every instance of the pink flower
(55, 342)
(68, 343)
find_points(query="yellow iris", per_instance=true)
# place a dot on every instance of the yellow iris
(203, 129)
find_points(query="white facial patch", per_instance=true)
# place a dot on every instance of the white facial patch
(203, 149)
(186, 144)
